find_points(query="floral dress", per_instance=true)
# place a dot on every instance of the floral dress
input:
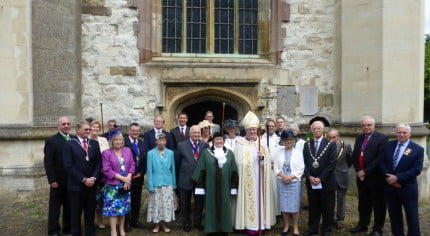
(116, 204)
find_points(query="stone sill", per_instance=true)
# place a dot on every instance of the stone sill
(179, 62)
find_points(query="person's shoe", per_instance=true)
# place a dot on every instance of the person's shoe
(199, 227)
(375, 233)
(127, 228)
(309, 233)
(137, 224)
(358, 229)
(326, 234)
(186, 227)
(338, 225)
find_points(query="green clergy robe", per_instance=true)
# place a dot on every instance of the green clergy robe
(217, 183)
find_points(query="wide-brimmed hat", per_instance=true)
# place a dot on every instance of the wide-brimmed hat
(320, 118)
(284, 135)
(205, 123)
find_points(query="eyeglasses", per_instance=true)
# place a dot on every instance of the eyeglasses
(65, 123)
(87, 129)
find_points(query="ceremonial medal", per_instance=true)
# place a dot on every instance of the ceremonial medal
(315, 164)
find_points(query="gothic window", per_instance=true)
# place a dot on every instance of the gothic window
(210, 27)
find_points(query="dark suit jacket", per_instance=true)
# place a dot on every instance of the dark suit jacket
(327, 163)
(343, 164)
(53, 159)
(149, 140)
(141, 158)
(407, 170)
(176, 135)
(184, 158)
(77, 166)
(371, 154)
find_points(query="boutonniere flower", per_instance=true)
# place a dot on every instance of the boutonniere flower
(407, 151)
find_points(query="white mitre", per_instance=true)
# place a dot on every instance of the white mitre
(250, 121)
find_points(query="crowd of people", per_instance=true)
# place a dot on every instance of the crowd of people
(237, 183)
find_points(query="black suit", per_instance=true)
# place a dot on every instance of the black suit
(136, 190)
(408, 168)
(177, 137)
(370, 191)
(321, 201)
(54, 167)
(149, 141)
(184, 158)
(82, 197)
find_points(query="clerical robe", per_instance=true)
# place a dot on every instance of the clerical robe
(218, 183)
(247, 209)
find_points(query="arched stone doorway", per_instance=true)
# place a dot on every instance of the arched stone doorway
(199, 99)
(197, 111)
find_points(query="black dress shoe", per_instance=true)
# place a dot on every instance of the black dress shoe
(375, 233)
(199, 227)
(137, 224)
(358, 229)
(186, 228)
(309, 233)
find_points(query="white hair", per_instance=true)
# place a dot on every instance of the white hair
(368, 118)
(403, 125)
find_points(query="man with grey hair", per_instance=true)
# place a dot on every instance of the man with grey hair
(57, 178)
(82, 161)
(341, 172)
(370, 181)
(401, 163)
(319, 155)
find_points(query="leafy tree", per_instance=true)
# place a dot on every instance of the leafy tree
(427, 79)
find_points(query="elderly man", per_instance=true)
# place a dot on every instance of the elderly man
(343, 163)
(370, 181)
(209, 116)
(186, 157)
(136, 145)
(57, 178)
(149, 136)
(320, 161)
(254, 206)
(82, 161)
(401, 163)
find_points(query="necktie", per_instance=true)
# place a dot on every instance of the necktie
(196, 151)
(361, 157)
(396, 155)
(135, 147)
(182, 133)
(316, 146)
(85, 146)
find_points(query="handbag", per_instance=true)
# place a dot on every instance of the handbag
(124, 191)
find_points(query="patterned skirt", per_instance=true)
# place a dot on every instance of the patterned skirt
(115, 204)
(289, 196)
(161, 205)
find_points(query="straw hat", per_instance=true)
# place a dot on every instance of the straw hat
(205, 123)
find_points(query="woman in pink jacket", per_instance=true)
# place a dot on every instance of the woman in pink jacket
(118, 167)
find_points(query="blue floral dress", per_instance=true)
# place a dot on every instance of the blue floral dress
(116, 204)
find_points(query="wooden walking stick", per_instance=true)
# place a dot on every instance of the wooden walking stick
(259, 183)
(222, 118)
(101, 114)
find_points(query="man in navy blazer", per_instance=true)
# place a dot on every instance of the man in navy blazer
(149, 136)
(136, 145)
(182, 131)
(370, 181)
(401, 163)
(186, 158)
(82, 161)
(57, 178)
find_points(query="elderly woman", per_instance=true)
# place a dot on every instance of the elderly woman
(205, 127)
(161, 181)
(104, 145)
(289, 167)
(217, 171)
(118, 168)
(299, 142)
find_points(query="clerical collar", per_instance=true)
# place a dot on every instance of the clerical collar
(250, 139)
